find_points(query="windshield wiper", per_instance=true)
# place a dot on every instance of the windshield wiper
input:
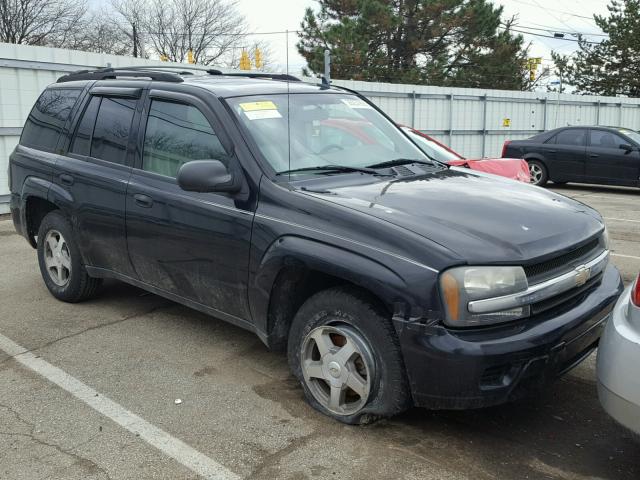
(331, 168)
(402, 161)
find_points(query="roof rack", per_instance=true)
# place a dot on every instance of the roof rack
(113, 73)
(268, 76)
(155, 72)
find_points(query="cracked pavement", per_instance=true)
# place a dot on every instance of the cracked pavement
(241, 408)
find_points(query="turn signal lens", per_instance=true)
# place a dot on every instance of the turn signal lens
(451, 294)
(635, 292)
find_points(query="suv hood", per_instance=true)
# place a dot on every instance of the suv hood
(479, 217)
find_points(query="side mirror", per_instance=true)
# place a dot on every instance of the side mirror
(207, 176)
(626, 147)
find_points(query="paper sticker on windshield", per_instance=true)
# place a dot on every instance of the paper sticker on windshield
(258, 106)
(262, 114)
(355, 103)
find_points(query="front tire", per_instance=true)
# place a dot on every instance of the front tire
(60, 261)
(538, 173)
(344, 351)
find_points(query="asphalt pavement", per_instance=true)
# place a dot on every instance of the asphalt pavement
(89, 391)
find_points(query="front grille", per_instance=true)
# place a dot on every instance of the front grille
(556, 266)
(566, 300)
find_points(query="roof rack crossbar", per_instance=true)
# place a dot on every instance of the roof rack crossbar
(113, 73)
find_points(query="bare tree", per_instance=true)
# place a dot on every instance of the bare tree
(101, 33)
(40, 22)
(131, 18)
(210, 29)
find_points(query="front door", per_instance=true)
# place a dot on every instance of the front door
(608, 163)
(567, 155)
(193, 245)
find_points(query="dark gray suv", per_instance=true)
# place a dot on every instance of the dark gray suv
(302, 213)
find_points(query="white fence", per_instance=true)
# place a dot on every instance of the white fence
(473, 121)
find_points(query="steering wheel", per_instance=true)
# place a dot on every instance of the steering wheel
(330, 148)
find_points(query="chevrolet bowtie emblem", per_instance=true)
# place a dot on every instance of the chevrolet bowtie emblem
(583, 273)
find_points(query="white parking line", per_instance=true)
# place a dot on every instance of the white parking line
(625, 256)
(621, 220)
(171, 446)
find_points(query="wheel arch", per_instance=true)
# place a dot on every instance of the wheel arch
(294, 268)
(37, 201)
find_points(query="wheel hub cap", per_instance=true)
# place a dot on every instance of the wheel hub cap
(338, 368)
(334, 369)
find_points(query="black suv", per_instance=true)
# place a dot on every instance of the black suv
(603, 155)
(302, 213)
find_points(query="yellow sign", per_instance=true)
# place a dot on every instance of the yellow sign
(255, 106)
(506, 122)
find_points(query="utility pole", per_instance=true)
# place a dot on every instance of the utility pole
(135, 41)
(327, 66)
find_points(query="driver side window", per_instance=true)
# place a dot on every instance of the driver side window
(176, 134)
(604, 139)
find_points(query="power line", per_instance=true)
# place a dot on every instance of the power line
(551, 36)
(553, 30)
(537, 5)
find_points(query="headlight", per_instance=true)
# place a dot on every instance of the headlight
(461, 285)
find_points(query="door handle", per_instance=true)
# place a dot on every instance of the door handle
(142, 200)
(552, 151)
(66, 179)
(594, 155)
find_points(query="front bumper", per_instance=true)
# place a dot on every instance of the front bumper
(459, 369)
(617, 367)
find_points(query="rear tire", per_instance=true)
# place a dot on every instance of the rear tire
(344, 351)
(60, 261)
(538, 172)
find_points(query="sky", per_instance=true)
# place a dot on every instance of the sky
(544, 17)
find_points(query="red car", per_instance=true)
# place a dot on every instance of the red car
(514, 168)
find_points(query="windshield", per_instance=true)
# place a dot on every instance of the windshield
(324, 129)
(632, 134)
(431, 148)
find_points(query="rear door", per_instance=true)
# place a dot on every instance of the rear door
(193, 245)
(607, 162)
(566, 154)
(95, 172)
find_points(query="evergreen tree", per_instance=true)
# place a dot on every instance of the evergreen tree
(461, 43)
(612, 66)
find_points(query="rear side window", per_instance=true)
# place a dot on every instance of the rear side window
(176, 134)
(112, 128)
(47, 118)
(573, 137)
(82, 141)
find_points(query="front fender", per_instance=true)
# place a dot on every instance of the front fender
(391, 285)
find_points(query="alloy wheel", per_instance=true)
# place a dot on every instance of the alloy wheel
(57, 258)
(536, 173)
(338, 368)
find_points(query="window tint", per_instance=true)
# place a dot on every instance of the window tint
(82, 140)
(177, 134)
(604, 139)
(47, 118)
(574, 136)
(111, 132)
